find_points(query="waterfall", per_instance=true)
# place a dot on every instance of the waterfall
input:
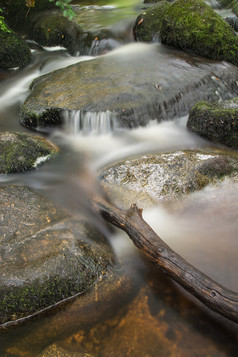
(89, 123)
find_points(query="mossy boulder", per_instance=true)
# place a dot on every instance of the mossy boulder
(46, 255)
(129, 87)
(194, 26)
(14, 52)
(20, 152)
(170, 175)
(217, 122)
(147, 25)
(18, 14)
(54, 29)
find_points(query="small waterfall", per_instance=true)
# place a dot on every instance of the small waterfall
(89, 123)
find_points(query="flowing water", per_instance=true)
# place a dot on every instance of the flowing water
(158, 318)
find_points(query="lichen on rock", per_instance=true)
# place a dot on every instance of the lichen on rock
(194, 26)
(217, 122)
(21, 152)
(14, 52)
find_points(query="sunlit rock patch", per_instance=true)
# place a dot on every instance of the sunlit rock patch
(170, 175)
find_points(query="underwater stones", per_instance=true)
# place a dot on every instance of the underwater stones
(194, 26)
(135, 83)
(46, 255)
(217, 122)
(21, 152)
(171, 175)
(14, 52)
(147, 25)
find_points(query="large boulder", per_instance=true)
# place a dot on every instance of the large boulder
(129, 86)
(169, 175)
(194, 26)
(21, 152)
(46, 255)
(54, 29)
(18, 14)
(217, 122)
(14, 52)
(147, 25)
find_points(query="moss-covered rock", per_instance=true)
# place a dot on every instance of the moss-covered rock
(14, 52)
(18, 14)
(194, 26)
(54, 29)
(20, 152)
(217, 122)
(46, 255)
(170, 175)
(147, 25)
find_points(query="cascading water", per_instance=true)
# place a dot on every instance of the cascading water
(89, 123)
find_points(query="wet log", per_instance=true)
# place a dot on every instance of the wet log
(218, 298)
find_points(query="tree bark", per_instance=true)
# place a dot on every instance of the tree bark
(215, 296)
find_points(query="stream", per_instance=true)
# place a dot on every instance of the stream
(157, 317)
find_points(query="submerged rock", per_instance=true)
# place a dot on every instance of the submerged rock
(194, 26)
(217, 122)
(46, 255)
(20, 152)
(170, 175)
(133, 84)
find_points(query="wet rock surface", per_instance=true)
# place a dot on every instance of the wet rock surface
(21, 152)
(171, 175)
(134, 84)
(217, 122)
(46, 255)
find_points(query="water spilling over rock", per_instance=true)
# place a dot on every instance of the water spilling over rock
(137, 83)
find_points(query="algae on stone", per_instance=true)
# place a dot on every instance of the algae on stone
(14, 52)
(20, 152)
(217, 122)
(194, 26)
(147, 25)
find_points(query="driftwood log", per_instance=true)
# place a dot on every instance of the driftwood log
(215, 296)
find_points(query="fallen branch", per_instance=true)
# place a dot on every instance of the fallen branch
(215, 296)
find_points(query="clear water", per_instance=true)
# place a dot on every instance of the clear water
(155, 317)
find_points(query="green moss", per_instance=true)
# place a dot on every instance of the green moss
(54, 29)
(48, 118)
(14, 52)
(19, 152)
(147, 25)
(217, 122)
(17, 14)
(192, 25)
